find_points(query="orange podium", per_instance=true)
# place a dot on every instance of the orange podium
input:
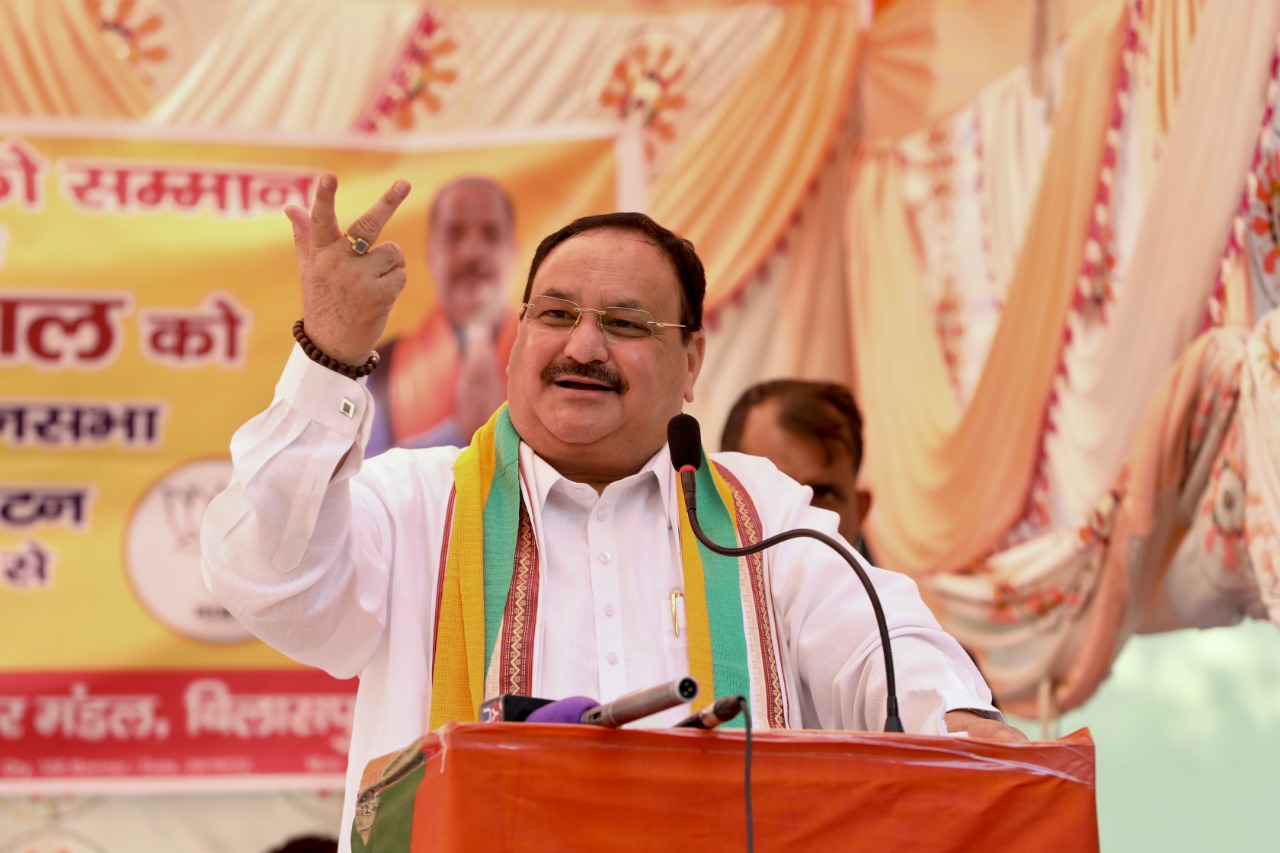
(528, 786)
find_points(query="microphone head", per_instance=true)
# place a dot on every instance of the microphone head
(684, 436)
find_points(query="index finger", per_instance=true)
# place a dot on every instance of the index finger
(324, 222)
(373, 220)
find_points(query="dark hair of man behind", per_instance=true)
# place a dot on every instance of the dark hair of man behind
(684, 259)
(824, 410)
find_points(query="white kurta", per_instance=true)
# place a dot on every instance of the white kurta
(334, 560)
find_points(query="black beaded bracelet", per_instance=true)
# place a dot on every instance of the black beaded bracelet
(313, 352)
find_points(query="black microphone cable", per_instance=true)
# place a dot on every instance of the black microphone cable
(685, 439)
(713, 716)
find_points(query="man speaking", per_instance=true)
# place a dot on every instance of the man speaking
(551, 557)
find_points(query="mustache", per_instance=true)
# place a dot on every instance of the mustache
(592, 370)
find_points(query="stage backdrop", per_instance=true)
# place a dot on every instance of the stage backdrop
(147, 290)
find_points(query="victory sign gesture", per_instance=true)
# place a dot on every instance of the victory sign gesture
(349, 280)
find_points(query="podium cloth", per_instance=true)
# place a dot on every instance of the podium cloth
(523, 786)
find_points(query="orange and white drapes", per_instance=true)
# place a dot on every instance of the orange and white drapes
(1059, 608)
(964, 209)
(54, 61)
(935, 457)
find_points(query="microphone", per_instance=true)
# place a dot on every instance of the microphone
(711, 716)
(641, 703)
(568, 710)
(684, 436)
(513, 708)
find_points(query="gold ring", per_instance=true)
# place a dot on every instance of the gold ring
(359, 245)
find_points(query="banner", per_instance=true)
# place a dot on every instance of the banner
(148, 287)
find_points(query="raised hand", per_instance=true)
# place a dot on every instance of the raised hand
(346, 297)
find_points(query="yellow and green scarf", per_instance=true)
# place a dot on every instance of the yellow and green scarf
(489, 527)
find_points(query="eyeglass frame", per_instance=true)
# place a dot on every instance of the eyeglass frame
(653, 324)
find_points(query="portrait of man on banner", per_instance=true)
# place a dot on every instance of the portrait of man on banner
(444, 378)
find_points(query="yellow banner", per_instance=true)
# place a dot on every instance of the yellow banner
(147, 292)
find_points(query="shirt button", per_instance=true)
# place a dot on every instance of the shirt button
(608, 610)
(611, 657)
(605, 556)
(601, 514)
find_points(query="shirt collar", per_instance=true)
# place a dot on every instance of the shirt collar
(544, 476)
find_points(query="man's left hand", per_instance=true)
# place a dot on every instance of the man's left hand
(981, 727)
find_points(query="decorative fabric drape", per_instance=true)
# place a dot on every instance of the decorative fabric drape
(1187, 468)
(1059, 607)
(1014, 138)
(728, 190)
(55, 62)
(925, 59)
(949, 483)
(785, 143)
(773, 327)
(1160, 302)
(1172, 543)
(1171, 27)
(299, 65)
(468, 69)
(1260, 413)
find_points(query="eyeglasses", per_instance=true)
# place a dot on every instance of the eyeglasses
(618, 324)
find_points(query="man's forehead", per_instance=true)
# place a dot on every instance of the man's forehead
(649, 286)
(472, 200)
(600, 247)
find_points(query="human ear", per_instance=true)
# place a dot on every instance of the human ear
(695, 351)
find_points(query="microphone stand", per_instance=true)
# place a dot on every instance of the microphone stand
(892, 723)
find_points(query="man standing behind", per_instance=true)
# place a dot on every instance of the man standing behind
(445, 378)
(813, 432)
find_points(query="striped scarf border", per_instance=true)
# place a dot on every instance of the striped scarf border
(751, 530)
(515, 669)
